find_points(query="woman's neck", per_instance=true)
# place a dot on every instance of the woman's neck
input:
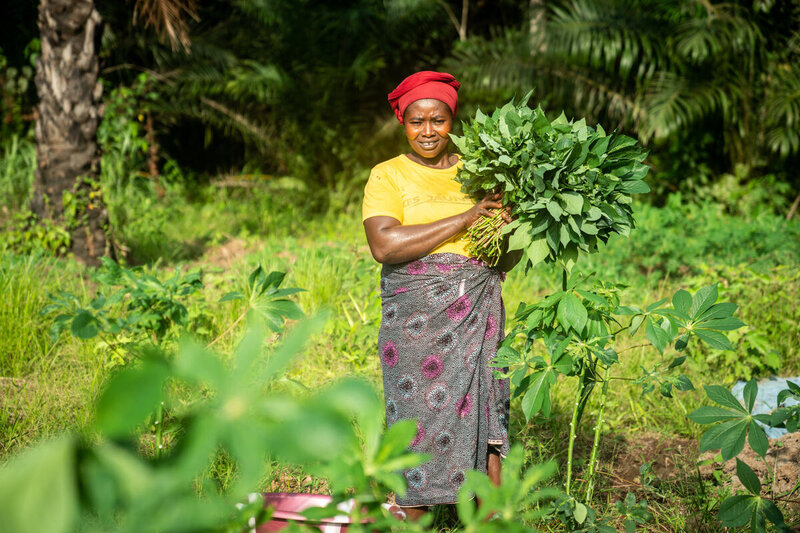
(441, 161)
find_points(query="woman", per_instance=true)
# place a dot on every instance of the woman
(442, 312)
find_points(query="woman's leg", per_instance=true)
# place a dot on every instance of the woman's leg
(493, 465)
(414, 513)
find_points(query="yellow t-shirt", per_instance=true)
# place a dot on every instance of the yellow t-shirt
(415, 194)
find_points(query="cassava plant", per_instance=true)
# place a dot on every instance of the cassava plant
(733, 424)
(133, 312)
(578, 328)
(569, 187)
(568, 184)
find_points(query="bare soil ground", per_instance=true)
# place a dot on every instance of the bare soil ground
(783, 457)
(622, 457)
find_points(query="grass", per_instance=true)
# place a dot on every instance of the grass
(47, 387)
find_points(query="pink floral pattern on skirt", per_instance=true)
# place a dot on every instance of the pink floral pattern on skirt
(443, 321)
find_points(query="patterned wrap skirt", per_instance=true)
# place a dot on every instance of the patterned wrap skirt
(442, 321)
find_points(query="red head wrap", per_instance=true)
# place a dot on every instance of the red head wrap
(425, 84)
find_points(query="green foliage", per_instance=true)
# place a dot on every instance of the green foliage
(518, 501)
(738, 422)
(696, 315)
(788, 417)
(714, 78)
(770, 341)
(266, 300)
(17, 165)
(635, 513)
(579, 517)
(577, 327)
(127, 493)
(136, 308)
(683, 236)
(137, 304)
(26, 234)
(569, 185)
(731, 425)
(16, 92)
(120, 134)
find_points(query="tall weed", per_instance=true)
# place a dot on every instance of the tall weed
(24, 283)
(17, 165)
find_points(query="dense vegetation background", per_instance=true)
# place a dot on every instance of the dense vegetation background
(242, 132)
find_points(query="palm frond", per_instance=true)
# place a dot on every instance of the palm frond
(168, 18)
(782, 108)
(675, 102)
(720, 29)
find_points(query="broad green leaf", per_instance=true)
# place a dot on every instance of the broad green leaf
(232, 296)
(596, 299)
(722, 396)
(573, 203)
(579, 512)
(683, 384)
(628, 310)
(757, 522)
(757, 439)
(656, 335)
(748, 478)
(728, 437)
(520, 237)
(636, 322)
(396, 439)
(537, 251)
(569, 256)
(678, 361)
(709, 414)
(772, 513)
(655, 305)
(84, 325)
(682, 302)
(703, 299)
(133, 476)
(737, 510)
(720, 310)
(38, 489)
(588, 228)
(723, 324)
(554, 209)
(537, 395)
(714, 339)
(635, 187)
(129, 397)
(749, 394)
(572, 313)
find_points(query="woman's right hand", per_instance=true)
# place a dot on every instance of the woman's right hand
(481, 209)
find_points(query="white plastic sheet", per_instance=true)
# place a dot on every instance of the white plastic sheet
(767, 399)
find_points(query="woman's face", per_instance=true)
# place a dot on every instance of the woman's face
(428, 123)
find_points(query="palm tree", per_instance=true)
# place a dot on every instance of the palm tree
(659, 69)
(70, 108)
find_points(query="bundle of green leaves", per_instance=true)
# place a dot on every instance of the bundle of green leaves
(569, 185)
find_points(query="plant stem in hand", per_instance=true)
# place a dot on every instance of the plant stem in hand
(485, 239)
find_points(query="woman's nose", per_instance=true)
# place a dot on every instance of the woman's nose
(427, 129)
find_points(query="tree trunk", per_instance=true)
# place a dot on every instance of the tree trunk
(66, 127)
(536, 28)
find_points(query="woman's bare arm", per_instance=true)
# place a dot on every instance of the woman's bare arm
(390, 242)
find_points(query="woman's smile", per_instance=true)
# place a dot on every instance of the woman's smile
(428, 145)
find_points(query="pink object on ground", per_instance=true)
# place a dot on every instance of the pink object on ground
(289, 506)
